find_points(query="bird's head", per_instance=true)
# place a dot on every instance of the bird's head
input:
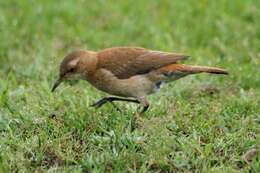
(73, 67)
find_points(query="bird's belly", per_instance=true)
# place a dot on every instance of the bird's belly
(136, 86)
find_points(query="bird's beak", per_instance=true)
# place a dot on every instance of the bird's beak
(56, 84)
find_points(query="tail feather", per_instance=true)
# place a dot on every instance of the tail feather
(191, 69)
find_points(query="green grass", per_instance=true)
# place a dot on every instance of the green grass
(201, 123)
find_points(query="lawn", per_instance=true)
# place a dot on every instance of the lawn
(201, 123)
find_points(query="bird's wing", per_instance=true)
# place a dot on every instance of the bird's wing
(125, 62)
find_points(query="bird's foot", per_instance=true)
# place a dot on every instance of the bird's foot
(144, 109)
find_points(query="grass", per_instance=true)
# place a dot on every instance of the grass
(202, 123)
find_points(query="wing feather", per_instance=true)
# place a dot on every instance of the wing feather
(125, 62)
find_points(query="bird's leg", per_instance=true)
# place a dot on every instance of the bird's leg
(100, 102)
(145, 103)
(111, 99)
(104, 100)
(144, 109)
(137, 120)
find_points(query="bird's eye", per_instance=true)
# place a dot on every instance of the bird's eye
(71, 70)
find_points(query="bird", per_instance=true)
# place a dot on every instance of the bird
(128, 74)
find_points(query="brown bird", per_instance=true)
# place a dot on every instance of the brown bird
(132, 73)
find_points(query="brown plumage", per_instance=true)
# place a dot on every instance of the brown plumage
(127, 71)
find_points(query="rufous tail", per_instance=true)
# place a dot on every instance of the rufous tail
(191, 69)
(173, 72)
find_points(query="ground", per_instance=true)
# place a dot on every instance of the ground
(202, 123)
